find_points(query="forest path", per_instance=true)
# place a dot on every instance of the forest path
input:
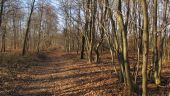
(62, 75)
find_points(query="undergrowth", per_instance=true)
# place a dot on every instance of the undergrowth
(13, 63)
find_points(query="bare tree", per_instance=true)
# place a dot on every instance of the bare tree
(146, 48)
(123, 30)
(28, 29)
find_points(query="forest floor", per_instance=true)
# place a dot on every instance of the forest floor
(63, 74)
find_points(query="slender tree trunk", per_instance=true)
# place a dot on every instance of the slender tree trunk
(115, 44)
(15, 33)
(24, 50)
(3, 49)
(145, 49)
(82, 48)
(161, 46)
(97, 55)
(1, 14)
(123, 30)
(155, 53)
(91, 8)
(39, 31)
(1, 29)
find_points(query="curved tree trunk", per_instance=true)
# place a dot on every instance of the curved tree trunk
(123, 30)
(24, 50)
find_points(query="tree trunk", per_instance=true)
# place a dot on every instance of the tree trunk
(161, 53)
(39, 30)
(28, 30)
(145, 49)
(3, 49)
(82, 48)
(155, 53)
(124, 31)
(1, 29)
(1, 14)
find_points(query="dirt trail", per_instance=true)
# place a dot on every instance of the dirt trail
(63, 75)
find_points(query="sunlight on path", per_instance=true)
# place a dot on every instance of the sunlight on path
(62, 76)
